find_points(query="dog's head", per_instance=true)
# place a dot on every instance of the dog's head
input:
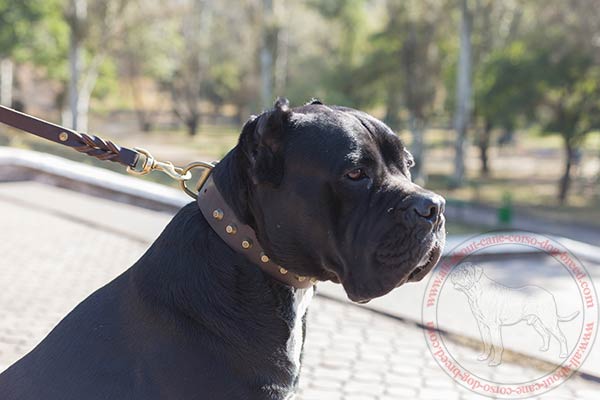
(330, 195)
(465, 275)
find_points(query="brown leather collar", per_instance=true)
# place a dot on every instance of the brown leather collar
(241, 238)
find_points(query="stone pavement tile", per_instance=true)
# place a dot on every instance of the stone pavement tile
(318, 394)
(49, 264)
(400, 393)
(430, 393)
(363, 388)
(588, 393)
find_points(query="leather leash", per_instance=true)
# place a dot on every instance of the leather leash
(241, 238)
(138, 161)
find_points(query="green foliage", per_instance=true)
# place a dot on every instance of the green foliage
(17, 19)
(343, 76)
(49, 43)
(570, 84)
(506, 88)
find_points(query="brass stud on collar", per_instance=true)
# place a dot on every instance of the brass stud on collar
(231, 229)
(246, 244)
(313, 280)
(283, 271)
(217, 214)
(301, 278)
(63, 136)
(264, 258)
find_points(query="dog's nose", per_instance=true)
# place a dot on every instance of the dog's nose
(429, 207)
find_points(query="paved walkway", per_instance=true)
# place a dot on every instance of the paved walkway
(351, 353)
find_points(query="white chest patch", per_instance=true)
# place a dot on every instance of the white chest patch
(302, 299)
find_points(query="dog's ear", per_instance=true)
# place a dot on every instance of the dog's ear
(262, 140)
(478, 272)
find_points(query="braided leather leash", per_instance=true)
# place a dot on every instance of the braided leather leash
(138, 161)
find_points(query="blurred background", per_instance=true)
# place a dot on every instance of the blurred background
(498, 100)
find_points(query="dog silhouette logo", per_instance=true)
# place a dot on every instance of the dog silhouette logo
(495, 305)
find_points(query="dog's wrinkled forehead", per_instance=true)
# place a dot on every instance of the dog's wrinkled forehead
(367, 136)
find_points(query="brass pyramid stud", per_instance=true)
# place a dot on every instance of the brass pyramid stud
(218, 214)
(264, 258)
(300, 278)
(283, 271)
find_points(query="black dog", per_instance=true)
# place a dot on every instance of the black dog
(327, 191)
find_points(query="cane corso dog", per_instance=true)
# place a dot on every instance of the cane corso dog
(328, 192)
(494, 305)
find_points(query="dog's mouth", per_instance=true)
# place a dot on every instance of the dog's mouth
(429, 261)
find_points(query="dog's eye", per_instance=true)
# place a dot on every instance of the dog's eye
(410, 162)
(356, 174)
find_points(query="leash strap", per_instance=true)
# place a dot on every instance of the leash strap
(91, 145)
(138, 161)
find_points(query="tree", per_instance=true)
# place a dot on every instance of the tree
(268, 45)
(344, 78)
(463, 93)
(94, 26)
(141, 56)
(570, 84)
(192, 60)
(17, 21)
(407, 61)
(495, 25)
(505, 93)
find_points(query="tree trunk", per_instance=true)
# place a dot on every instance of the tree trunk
(77, 16)
(192, 124)
(282, 54)
(144, 120)
(484, 145)
(463, 94)
(417, 129)
(266, 55)
(6, 81)
(83, 107)
(143, 116)
(565, 181)
(392, 108)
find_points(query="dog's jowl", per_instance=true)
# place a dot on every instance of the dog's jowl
(328, 195)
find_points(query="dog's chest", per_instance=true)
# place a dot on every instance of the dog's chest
(302, 298)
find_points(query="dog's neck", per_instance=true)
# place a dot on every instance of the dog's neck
(248, 316)
(232, 180)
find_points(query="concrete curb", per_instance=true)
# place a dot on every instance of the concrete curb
(19, 164)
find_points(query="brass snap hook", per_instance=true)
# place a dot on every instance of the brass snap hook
(147, 163)
(207, 166)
